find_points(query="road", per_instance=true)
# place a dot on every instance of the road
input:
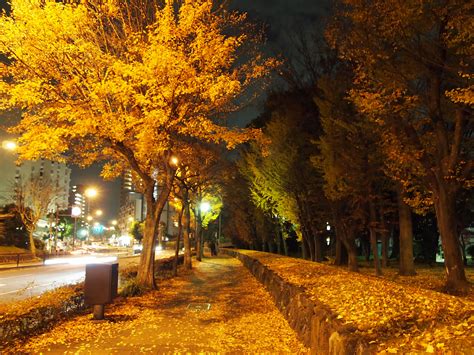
(21, 283)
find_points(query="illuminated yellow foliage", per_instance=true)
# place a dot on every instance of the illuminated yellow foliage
(94, 85)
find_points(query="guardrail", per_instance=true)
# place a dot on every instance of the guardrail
(19, 258)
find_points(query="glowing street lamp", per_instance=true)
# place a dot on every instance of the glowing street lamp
(205, 207)
(9, 145)
(174, 160)
(91, 192)
(99, 213)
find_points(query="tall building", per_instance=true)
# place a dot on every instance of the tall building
(11, 173)
(131, 204)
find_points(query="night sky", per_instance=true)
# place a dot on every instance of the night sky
(279, 17)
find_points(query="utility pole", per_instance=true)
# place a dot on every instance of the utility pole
(57, 229)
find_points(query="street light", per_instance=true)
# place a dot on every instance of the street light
(205, 207)
(75, 212)
(91, 192)
(9, 145)
(89, 220)
(99, 213)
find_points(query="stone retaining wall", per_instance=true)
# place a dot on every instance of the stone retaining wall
(316, 325)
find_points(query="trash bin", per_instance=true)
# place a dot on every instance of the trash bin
(100, 286)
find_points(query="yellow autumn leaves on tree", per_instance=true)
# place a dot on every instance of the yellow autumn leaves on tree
(87, 74)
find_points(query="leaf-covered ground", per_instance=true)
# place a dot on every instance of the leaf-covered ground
(242, 318)
(52, 298)
(427, 277)
(393, 317)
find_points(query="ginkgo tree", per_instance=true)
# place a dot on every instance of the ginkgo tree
(284, 184)
(123, 82)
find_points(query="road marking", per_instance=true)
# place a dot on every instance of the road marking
(6, 293)
(13, 277)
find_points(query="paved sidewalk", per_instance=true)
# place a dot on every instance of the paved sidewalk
(242, 318)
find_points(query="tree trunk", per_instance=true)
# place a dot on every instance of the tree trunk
(146, 271)
(341, 257)
(365, 247)
(348, 238)
(187, 230)
(385, 238)
(309, 243)
(146, 275)
(373, 238)
(375, 252)
(385, 261)
(31, 239)
(318, 249)
(278, 243)
(463, 250)
(201, 242)
(178, 240)
(407, 264)
(271, 246)
(351, 248)
(445, 204)
(338, 252)
(285, 246)
(395, 254)
(198, 234)
(304, 248)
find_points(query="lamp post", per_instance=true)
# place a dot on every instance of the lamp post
(90, 193)
(75, 212)
(204, 207)
(89, 221)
